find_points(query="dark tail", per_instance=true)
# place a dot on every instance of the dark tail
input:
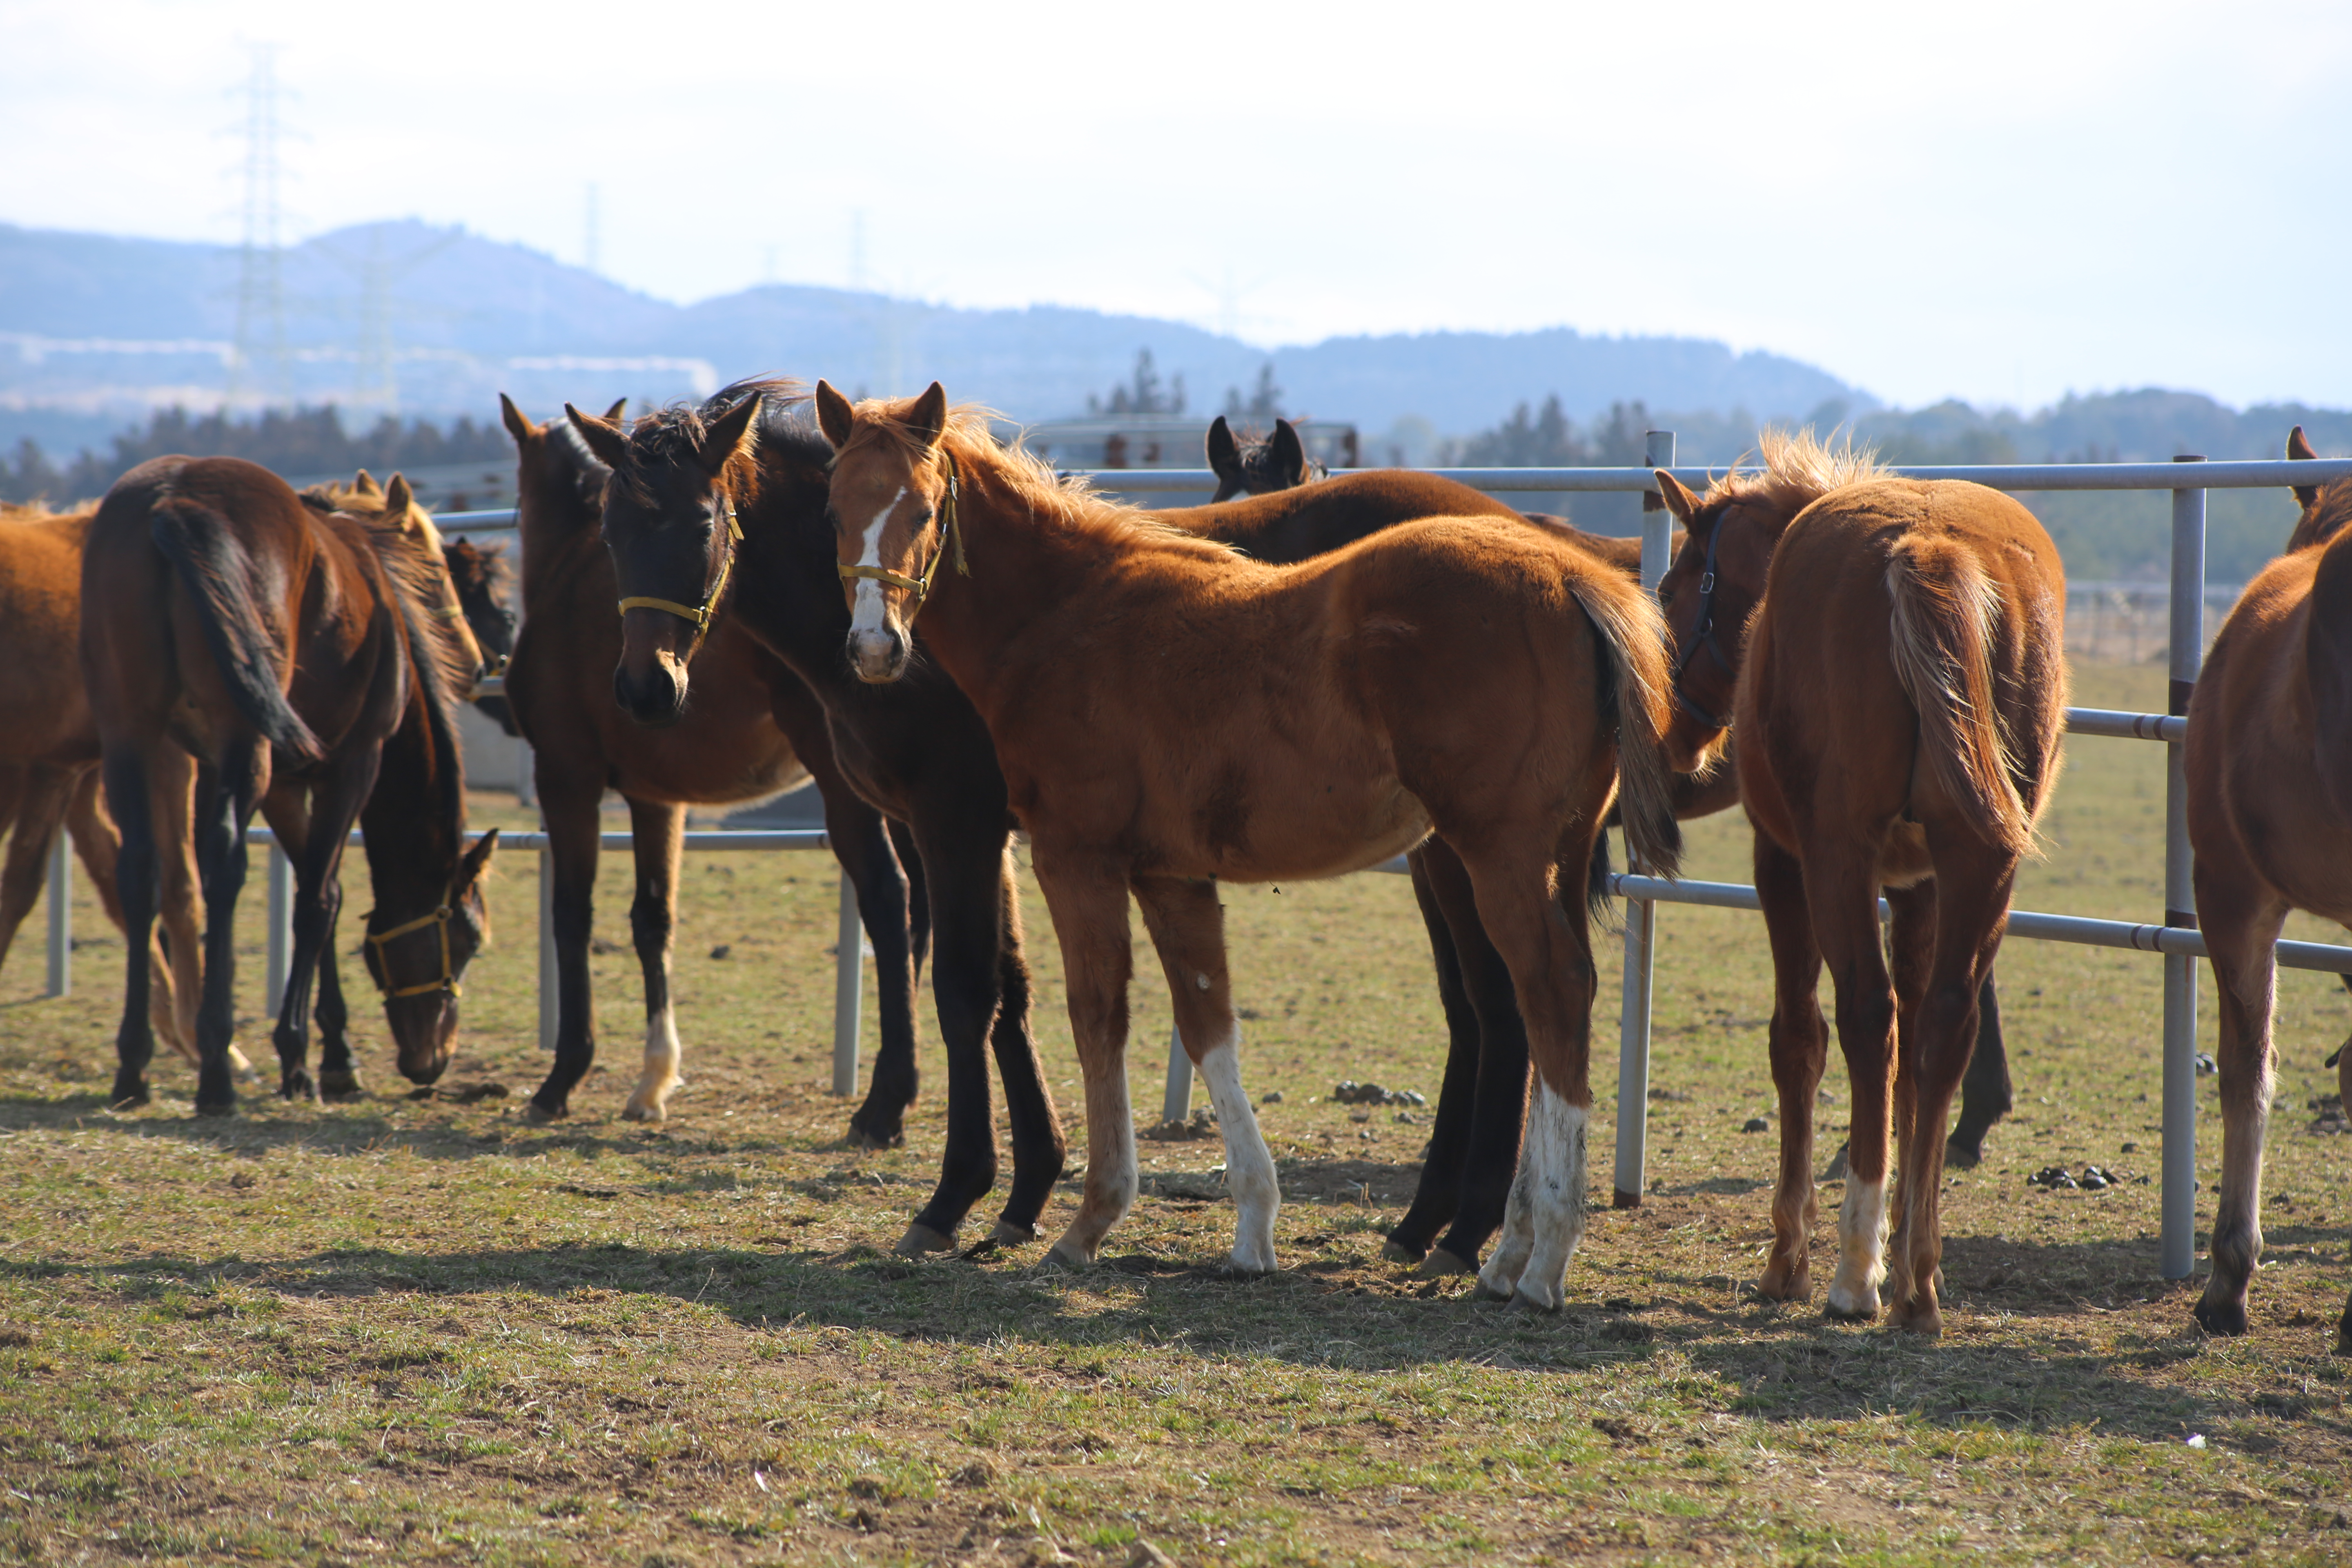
(214, 567)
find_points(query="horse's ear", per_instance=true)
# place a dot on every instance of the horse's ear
(397, 502)
(1289, 454)
(518, 424)
(604, 437)
(928, 419)
(834, 416)
(614, 413)
(471, 864)
(364, 482)
(727, 433)
(2299, 446)
(1224, 452)
(1677, 497)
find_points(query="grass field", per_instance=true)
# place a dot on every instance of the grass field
(419, 1330)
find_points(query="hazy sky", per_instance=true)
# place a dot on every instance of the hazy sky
(1995, 200)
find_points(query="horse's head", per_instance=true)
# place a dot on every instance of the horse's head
(893, 507)
(670, 526)
(1259, 465)
(417, 958)
(483, 580)
(1708, 594)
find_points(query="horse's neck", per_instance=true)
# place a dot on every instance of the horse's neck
(787, 591)
(412, 838)
(1023, 565)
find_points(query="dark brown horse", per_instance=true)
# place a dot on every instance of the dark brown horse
(1900, 694)
(1259, 465)
(295, 654)
(753, 732)
(484, 584)
(2270, 819)
(1167, 713)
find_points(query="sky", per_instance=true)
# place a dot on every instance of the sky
(1998, 202)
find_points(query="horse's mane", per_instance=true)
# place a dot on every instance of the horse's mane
(1065, 499)
(413, 563)
(672, 435)
(490, 561)
(1798, 469)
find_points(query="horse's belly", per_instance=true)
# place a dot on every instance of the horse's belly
(1311, 834)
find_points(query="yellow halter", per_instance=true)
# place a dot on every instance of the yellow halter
(380, 969)
(952, 538)
(697, 616)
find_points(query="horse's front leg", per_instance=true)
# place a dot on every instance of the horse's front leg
(1798, 1049)
(965, 982)
(659, 836)
(1087, 900)
(226, 798)
(1187, 924)
(570, 808)
(2242, 920)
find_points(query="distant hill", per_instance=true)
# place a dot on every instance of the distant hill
(95, 331)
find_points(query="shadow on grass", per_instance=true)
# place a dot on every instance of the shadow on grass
(1782, 1364)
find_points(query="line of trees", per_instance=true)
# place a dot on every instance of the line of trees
(291, 441)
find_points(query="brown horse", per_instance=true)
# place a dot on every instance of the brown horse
(753, 732)
(2270, 819)
(484, 584)
(1167, 713)
(48, 755)
(1259, 465)
(1898, 728)
(293, 653)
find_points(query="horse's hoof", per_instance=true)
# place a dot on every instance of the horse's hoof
(129, 1094)
(1062, 1255)
(1927, 1321)
(863, 1137)
(1442, 1264)
(921, 1238)
(2227, 1318)
(1523, 1302)
(1008, 1234)
(341, 1083)
(644, 1111)
(1487, 1290)
(538, 1115)
(1962, 1153)
(1395, 1251)
(1844, 1311)
(212, 1108)
(294, 1083)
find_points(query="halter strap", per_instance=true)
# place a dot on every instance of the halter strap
(380, 970)
(951, 539)
(698, 616)
(1704, 635)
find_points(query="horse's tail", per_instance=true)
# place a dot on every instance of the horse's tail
(216, 572)
(1635, 685)
(1943, 623)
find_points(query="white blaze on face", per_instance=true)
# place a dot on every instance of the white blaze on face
(866, 609)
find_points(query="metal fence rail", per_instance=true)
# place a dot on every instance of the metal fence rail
(2176, 938)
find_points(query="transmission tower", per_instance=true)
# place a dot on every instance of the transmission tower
(260, 364)
(378, 353)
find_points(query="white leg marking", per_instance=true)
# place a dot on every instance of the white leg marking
(1552, 1171)
(1500, 1276)
(651, 1101)
(1862, 1250)
(1249, 1167)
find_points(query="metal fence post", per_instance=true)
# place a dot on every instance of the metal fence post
(1641, 914)
(551, 999)
(1176, 1104)
(60, 893)
(281, 925)
(848, 980)
(2187, 657)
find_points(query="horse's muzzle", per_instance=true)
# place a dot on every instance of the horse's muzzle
(656, 698)
(878, 655)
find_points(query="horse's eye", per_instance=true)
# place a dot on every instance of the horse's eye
(923, 517)
(832, 518)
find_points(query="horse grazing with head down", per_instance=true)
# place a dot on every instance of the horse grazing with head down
(1167, 713)
(1898, 725)
(300, 657)
(751, 731)
(2270, 819)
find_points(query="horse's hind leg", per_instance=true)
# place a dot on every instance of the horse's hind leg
(1188, 927)
(1841, 897)
(1911, 951)
(1039, 1148)
(1087, 900)
(1985, 1093)
(1798, 1049)
(1498, 1103)
(1972, 887)
(658, 834)
(2242, 921)
(225, 796)
(134, 880)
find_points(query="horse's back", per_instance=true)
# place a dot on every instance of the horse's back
(44, 713)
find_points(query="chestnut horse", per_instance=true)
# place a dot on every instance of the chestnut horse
(48, 753)
(753, 732)
(294, 654)
(1167, 713)
(2270, 819)
(1898, 728)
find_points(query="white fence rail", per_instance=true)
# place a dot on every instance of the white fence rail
(2176, 938)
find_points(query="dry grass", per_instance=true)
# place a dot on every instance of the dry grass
(419, 1330)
